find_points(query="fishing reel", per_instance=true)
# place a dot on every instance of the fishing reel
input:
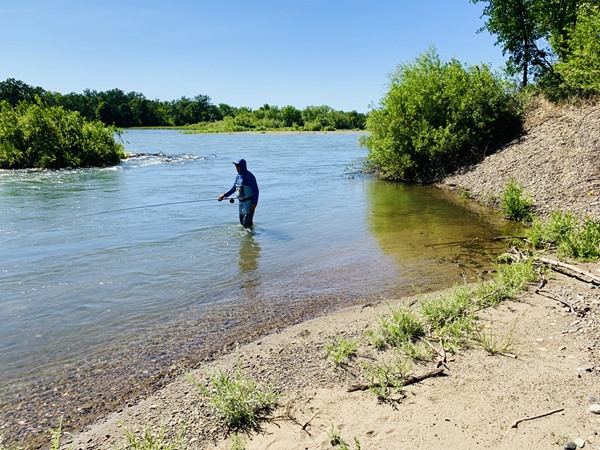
(231, 200)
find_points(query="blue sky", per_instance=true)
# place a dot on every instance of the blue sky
(242, 53)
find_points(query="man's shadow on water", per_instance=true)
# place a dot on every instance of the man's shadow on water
(248, 264)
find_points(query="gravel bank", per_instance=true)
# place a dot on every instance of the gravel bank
(557, 161)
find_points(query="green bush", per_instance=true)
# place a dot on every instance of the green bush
(437, 117)
(38, 136)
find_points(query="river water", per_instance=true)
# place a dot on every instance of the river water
(112, 278)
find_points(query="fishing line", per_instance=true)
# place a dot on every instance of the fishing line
(149, 206)
(110, 211)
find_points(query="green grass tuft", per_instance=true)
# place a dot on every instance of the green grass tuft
(567, 235)
(515, 204)
(339, 350)
(400, 326)
(238, 399)
(152, 439)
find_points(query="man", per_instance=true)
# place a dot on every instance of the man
(246, 191)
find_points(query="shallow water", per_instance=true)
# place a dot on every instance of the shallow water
(113, 277)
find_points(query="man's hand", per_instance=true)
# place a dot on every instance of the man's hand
(220, 198)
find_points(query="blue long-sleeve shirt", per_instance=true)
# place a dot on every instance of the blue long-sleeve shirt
(246, 186)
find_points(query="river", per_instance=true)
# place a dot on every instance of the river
(114, 278)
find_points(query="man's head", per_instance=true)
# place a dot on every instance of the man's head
(240, 166)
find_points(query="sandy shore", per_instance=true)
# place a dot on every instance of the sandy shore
(474, 405)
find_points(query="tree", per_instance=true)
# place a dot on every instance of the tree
(516, 23)
(558, 19)
(15, 91)
(580, 68)
(291, 116)
(535, 33)
(224, 110)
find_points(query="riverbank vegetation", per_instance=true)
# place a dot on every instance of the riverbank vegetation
(440, 116)
(33, 135)
(288, 118)
(133, 109)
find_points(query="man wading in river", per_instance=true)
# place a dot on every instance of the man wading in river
(246, 191)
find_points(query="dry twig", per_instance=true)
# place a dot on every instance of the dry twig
(517, 422)
(411, 379)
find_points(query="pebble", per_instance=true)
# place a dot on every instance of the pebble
(570, 446)
(579, 442)
(594, 409)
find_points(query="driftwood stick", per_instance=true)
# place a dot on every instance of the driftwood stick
(554, 411)
(411, 379)
(558, 298)
(570, 270)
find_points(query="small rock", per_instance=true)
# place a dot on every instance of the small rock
(594, 409)
(570, 446)
(579, 442)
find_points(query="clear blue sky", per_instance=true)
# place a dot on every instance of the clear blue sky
(240, 52)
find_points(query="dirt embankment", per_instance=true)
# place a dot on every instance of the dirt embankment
(556, 160)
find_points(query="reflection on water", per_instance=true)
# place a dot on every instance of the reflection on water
(429, 232)
(248, 264)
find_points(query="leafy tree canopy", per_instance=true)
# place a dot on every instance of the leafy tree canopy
(554, 42)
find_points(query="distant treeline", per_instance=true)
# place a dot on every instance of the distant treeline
(133, 109)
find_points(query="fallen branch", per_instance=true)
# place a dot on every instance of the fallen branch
(454, 243)
(309, 421)
(516, 424)
(411, 379)
(505, 238)
(570, 270)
